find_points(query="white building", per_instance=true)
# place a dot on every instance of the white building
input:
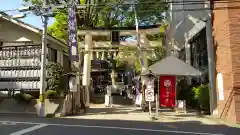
(20, 48)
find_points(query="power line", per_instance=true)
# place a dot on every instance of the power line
(10, 10)
(174, 10)
(189, 2)
(180, 10)
(148, 11)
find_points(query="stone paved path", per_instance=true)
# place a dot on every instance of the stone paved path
(119, 112)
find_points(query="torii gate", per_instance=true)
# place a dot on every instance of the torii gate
(130, 31)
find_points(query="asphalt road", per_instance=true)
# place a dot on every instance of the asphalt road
(32, 125)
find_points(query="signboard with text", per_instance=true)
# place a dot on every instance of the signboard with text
(167, 91)
(149, 93)
(72, 33)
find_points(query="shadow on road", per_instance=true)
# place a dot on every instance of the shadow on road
(111, 110)
(185, 126)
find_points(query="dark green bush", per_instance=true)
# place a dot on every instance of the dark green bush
(184, 92)
(51, 94)
(54, 73)
(18, 97)
(23, 97)
(27, 97)
(201, 94)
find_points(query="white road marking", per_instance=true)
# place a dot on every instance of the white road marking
(40, 125)
(21, 132)
(8, 123)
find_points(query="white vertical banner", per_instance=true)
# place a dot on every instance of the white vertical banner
(220, 86)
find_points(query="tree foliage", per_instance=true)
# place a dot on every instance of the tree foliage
(108, 13)
(128, 58)
(54, 74)
(113, 13)
(58, 28)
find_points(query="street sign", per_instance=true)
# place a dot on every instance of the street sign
(149, 94)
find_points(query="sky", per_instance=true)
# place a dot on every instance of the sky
(30, 18)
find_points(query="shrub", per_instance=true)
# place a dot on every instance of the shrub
(23, 97)
(54, 73)
(185, 92)
(27, 97)
(18, 97)
(51, 94)
(201, 94)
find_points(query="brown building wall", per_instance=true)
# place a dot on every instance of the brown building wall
(226, 33)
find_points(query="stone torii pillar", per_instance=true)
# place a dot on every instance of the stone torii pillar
(87, 67)
(91, 55)
(97, 57)
(103, 56)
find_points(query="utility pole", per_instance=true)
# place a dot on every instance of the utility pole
(138, 40)
(211, 61)
(139, 53)
(44, 13)
(43, 63)
(142, 59)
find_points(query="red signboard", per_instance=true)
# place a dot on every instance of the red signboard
(167, 91)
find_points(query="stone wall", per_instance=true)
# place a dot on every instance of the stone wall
(52, 106)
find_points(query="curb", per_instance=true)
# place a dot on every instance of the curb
(30, 114)
(19, 113)
(221, 121)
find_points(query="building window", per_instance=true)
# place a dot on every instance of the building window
(52, 55)
(1, 44)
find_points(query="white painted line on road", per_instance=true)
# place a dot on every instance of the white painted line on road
(8, 123)
(27, 130)
(119, 128)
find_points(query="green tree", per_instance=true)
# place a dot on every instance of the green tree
(112, 13)
(58, 28)
(107, 13)
(128, 58)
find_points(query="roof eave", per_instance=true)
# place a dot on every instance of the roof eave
(31, 28)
